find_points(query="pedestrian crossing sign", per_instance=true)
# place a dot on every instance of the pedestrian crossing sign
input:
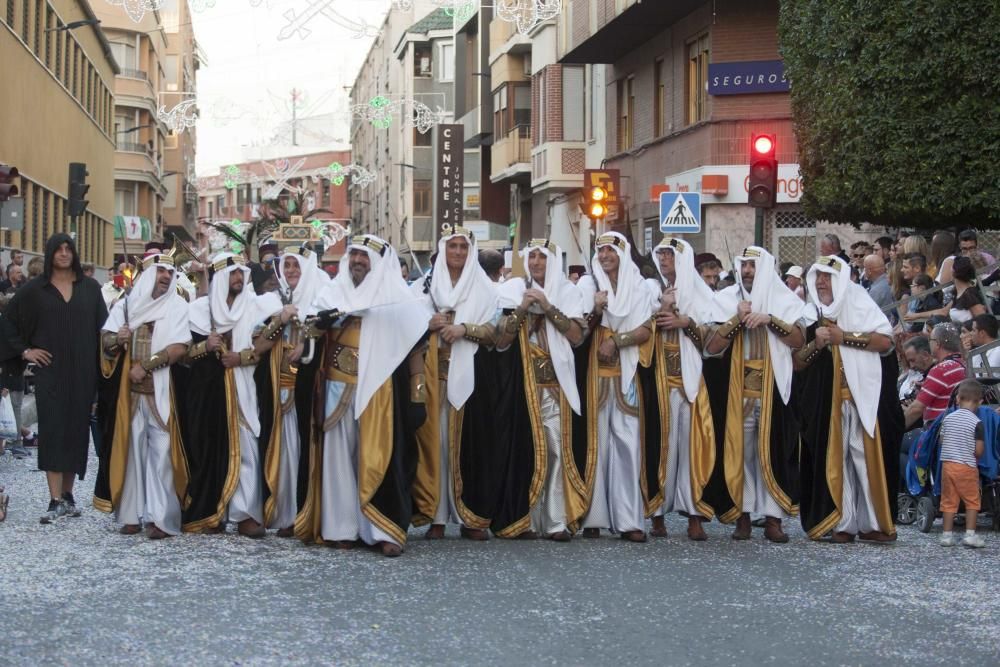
(680, 212)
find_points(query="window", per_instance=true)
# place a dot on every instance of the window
(50, 19)
(25, 12)
(170, 65)
(124, 200)
(626, 113)
(659, 98)
(124, 55)
(422, 61)
(697, 80)
(422, 198)
(446, 62)
(573, 103)
(512, 109)
(10, 18)
(220, 203)
(542, 138)
(37, 45)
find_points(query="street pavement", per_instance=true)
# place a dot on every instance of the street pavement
(78, 593)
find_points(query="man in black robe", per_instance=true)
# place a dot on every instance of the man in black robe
(58, 318)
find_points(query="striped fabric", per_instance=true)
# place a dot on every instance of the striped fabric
(959, 432)
(938, 385)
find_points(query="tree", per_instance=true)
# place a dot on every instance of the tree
(897, 109)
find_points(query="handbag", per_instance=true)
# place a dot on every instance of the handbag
(8, 424)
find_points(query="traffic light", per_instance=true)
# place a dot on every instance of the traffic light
(8, 182)
(763, 185)
(595, 205)
(78, 189)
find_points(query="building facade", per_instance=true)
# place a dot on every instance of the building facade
(685, 84)
(140, 50)
(180, 69)
(57, 108)
(240, 191)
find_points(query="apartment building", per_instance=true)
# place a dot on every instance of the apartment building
(180, 68)
(684, 85)
(57, 108)
(140, 50)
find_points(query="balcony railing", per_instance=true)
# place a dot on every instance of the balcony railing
(514, 149)
(130, 147)
(134, 74)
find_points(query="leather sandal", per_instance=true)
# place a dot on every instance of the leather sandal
(773, 531)
(591, 533)
(475, 534)
(638, 536)
(695, 531)
(435, 532)
(561, 536)
(130, 529)
(156, 533)
(390, 550)
(659, 528)
(743, 528)
(841, 537)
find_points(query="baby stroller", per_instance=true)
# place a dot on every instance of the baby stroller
(923, 472)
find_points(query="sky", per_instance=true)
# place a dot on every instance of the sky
(244, 91)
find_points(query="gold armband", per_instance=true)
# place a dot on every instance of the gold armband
(622, 340)
(730, 327)
(248, 357)
(857, 340)
(156, 362)
(781, 329)
(479, 333)
(418, 388)
(691, 331)
(512, 323)
(558, 319)
(273, 328)
(310, 328)
(808, 353)
(109, 341)
(198, 350)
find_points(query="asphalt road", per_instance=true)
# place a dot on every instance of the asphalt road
(78, 593)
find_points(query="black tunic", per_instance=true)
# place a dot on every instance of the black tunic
(64, 390)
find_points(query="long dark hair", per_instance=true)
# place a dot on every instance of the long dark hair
(53, 244)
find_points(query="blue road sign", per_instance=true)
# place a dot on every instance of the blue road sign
(680, 212)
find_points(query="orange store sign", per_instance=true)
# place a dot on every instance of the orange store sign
(729, 184)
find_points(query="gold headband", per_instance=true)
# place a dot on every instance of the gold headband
(448, 230)
(301, 250)
(832, 262)
(235, 260)
(542, 243)
(610, 239)
(671, 243)
(157, 259)
(751, 252)
(369, 242)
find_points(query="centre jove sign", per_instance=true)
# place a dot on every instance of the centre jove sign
(448, 177)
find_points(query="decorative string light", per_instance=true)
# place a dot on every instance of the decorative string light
(526, 14)
(360, 176)
(182, 116)
(380, 111)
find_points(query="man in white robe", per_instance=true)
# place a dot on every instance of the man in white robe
(621, 339)
(761, 323)
(547, 322)
(143, 475)
(358, 486)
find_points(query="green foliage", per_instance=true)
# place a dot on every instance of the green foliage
(897, 109)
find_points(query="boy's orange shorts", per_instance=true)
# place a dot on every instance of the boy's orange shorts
(959, 482)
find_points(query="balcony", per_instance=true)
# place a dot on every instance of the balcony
(504, 38)
(558, 165)
(609, 38)
(511, 155)
(478, 126)
(133, 74)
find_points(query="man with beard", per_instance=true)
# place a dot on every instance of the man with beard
(759, 327)
(621, 341)
(143, 470)
(223, 425)
(58, 317)
(542, 324)
(361, 471)
(286, 404)
(687, 454)
(851, 433)
(454, 483)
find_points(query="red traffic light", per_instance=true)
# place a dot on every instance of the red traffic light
(763, 145)
(8, 176)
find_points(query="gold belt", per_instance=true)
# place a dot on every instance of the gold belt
(344, 358)
(444, 360)
(286, 380)
(753, 378)
(672, 354)
(545, 372)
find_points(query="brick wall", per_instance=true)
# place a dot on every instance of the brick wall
(553, 105)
